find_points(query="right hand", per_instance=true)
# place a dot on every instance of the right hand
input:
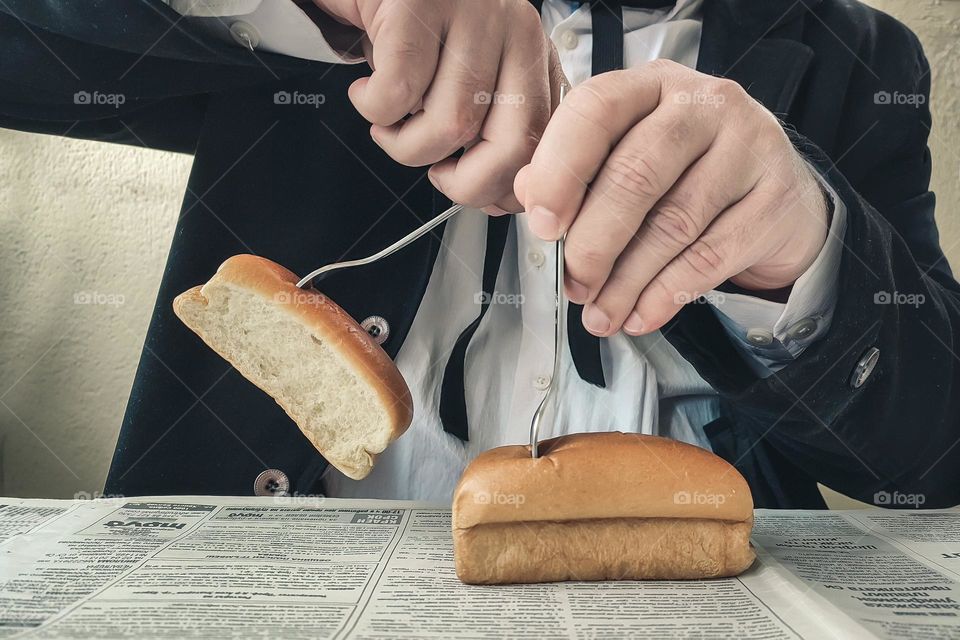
(475, 74)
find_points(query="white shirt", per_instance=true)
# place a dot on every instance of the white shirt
(650, 387)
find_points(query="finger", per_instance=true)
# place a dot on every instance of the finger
(643, 166)
(519, 111)
(406, 48)
(728, 246)
(585, 128)
(719, 179)
(455, 105)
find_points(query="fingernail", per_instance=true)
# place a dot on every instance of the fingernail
(544, 223)
(634, 324)
(494, 210)
(577, 292)
(595, 320)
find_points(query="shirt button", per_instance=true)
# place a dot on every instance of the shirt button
(536, 258)
(245, 34)
(377, 327)
(759, 337)
(271, 482)
(802, 329)
(542, 382)
(865, 366)
(569, 40)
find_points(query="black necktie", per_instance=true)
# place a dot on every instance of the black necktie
(453, 399)
(607, 17)
(607, 26)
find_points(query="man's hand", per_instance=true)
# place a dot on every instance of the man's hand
(669, 182)
(474, 74)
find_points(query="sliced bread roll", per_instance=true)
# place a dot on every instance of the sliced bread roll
(327, 373)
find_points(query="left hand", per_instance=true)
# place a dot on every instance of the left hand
(478, 76)
(668, 183)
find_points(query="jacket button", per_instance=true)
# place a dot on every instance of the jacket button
(245, 34)
(802, 329)
(865, 366)
(271, 482)
(759, 337)
(377, 327)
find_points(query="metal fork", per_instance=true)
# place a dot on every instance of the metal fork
(383, 253)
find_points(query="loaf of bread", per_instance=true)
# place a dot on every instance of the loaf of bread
(327, 373)
(601, 506)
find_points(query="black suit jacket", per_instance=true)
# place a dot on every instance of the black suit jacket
(305, 186)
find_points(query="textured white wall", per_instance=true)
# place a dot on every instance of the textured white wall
(84, 231)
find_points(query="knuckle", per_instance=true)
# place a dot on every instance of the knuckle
(704, 259)
(664, 291)
(665, 65)
(392, 99)
(585, 259)
(458, 128)
(407, 49)
(528, 17)
(633, 174)
(657, 292)
(727, 88)
(674, 225)
(592, 101)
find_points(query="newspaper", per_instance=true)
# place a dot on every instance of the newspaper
(323, 568)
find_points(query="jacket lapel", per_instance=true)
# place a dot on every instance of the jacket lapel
(757, 45)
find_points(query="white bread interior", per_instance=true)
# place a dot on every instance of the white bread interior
(600, 506)
(328, 374)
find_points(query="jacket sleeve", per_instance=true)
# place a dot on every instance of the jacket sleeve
(897, 436)
(131, 71)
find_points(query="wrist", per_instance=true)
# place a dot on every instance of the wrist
(799, 249)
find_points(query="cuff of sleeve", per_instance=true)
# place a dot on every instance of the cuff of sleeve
(775, 333)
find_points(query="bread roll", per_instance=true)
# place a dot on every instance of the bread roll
(327, 373)
(601, 506)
